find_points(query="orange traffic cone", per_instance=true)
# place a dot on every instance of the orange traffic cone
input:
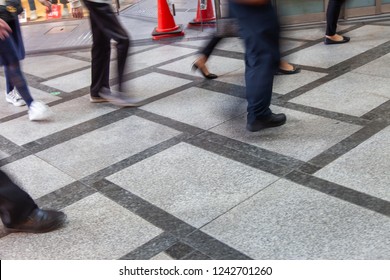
(204, 16)
(166, 26)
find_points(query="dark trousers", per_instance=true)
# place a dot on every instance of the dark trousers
(210, 46)
(332, 16)
(15, 204)
(105, 26)
(259, 28)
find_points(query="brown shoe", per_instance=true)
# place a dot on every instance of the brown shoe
(40, 221)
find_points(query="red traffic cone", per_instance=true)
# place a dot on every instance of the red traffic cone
(204, 16)
(166, 26)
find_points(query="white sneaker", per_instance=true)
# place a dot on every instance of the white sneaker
(39, 111)
(14, 98)
(33, 15)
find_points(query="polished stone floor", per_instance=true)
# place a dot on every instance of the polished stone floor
(181, 178)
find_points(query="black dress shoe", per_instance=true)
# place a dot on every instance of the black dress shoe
(40, 221)
(272, 121)
(333, 42)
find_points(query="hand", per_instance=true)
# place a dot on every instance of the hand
(77, 12)
(4, 29)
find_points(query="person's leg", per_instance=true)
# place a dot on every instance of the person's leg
(15, 204)
(106, 21)
(13, 50)
(31, 4)
(332, 17)
(101, 49)
(15, 77)
(200, 62)
(261, 36)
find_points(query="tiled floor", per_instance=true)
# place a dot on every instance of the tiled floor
(181, 178)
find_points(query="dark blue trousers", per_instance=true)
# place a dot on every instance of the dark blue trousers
(259, 28)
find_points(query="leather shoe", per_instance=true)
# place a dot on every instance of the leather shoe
(39, 221)
(332, 42)
(272, 121)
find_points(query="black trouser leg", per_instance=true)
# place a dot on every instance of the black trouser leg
(105, 26)
(208, 49)
(15, 204)
(332, 16)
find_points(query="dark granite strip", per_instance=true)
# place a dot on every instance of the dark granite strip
(320, 112)
(255, 162)
(152, 247)
(144, 209)
(78, 130)
(9, 147)
(183, 127)
(347, 144)
(179, 250)
(346, 194)
(213, 248)
(251, 150)
(382, 111)
(196, 255)
(116, 167)
(14, 157)
(65, 196)
(226, 88)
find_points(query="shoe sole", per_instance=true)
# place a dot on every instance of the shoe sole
(15, 104)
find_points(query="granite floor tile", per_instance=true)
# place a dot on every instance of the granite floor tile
(217, 64)
(198, 107)
(283, 84)
(36, 176)
(152, 84)
(286, 45)
(105, 146)
(365, 168)
(363, 39)
(157, 56)
(22, 131)
(231, 44)
(303, 136)
(289, 221)
(118, 233)
(51, 63)
(3, 155)
(194, 185)
(352, 93)
(71, 82)
(378, 67)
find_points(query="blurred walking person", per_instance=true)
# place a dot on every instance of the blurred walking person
(105, 26)
(12, 51)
